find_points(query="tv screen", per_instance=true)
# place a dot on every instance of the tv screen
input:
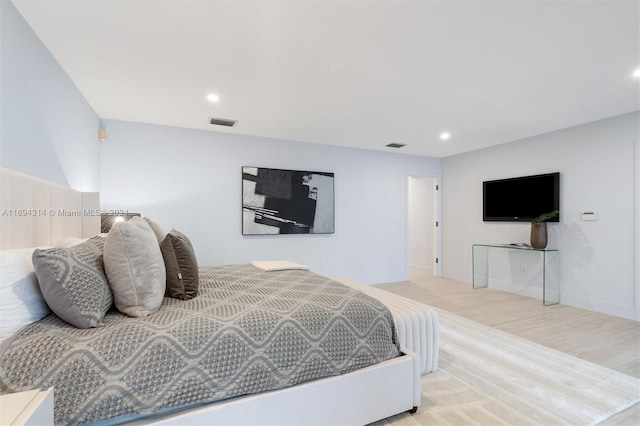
(521, 199)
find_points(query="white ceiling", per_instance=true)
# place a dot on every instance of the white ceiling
(488, 72)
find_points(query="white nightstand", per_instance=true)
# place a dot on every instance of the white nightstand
(33, 407)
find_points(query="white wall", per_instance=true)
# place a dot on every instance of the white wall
(596, 162)
(191, 180)
(47, 128)
(420, 225)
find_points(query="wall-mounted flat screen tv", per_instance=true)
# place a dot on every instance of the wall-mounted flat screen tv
(521, 199)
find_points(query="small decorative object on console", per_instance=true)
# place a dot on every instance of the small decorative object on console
(539, 229)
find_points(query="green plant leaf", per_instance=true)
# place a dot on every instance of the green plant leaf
(544, 217)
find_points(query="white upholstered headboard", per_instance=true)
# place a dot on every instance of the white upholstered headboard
(35, 212)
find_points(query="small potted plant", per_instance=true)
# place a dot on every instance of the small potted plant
(539, 229)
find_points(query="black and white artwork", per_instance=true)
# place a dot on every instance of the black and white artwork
(278, 201)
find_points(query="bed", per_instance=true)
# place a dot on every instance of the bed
(417, 324)
(380, 380)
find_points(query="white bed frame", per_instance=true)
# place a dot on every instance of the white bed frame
(360, 397)
(357, 398)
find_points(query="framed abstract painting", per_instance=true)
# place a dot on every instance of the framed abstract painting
(276, 201)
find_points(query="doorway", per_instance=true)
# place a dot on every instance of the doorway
(423, 230)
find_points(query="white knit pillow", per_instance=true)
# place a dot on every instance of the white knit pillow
(135, 268)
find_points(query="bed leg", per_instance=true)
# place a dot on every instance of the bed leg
(413, 410)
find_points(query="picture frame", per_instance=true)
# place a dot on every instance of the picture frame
(281, 201)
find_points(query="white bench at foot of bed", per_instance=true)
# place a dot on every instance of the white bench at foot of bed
(417, 324)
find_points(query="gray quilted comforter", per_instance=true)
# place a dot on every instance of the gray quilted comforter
(247, 331)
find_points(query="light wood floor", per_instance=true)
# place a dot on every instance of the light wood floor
(602, 339)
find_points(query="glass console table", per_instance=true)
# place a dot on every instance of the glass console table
(549, 257)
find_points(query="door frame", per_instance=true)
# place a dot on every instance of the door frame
(437, 214)
(637, 236)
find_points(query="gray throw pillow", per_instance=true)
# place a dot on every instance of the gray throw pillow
(181, 266)
(156, 228)
(73, 283)
(134, 267)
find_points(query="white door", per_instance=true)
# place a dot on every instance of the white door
(422, 233)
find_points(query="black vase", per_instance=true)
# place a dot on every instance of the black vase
(539, 235)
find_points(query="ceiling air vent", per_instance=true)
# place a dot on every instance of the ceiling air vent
(222, 122)
(395, 145)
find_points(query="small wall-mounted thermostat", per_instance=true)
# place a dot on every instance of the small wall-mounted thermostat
(589, 216)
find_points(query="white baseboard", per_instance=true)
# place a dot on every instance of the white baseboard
(617, 310)
(603, 307)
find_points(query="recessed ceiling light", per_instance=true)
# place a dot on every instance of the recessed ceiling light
(636, 74)
(212, 97)
(444, 136)
(395, 145)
